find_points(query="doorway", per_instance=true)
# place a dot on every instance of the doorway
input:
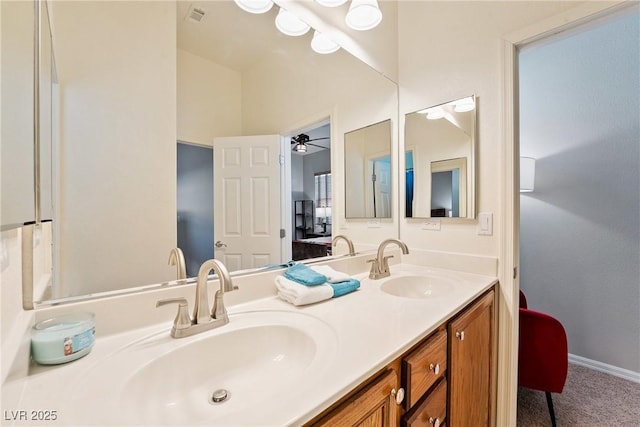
(311, 192)
(195, 204)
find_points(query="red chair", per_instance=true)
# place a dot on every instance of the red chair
(543, 353)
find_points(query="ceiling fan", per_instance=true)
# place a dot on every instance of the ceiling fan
(302, 140)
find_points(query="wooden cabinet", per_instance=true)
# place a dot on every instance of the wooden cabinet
(371, 406)
(423, 378)
(431, 411)
(470, 361)
(446, 379)
(424, 366)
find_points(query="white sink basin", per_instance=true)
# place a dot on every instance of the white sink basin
(256, 357)
(422, 286)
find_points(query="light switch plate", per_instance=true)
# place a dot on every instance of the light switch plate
(432, 224)
(485, 224)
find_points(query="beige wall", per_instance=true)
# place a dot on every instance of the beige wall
(116, 65)
(208, 100)
(319, 86)
(448, 50)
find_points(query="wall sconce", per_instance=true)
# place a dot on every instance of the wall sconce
(527, 174)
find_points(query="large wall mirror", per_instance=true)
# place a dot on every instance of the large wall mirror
(136, 78)
(368, 171)
(440, 144)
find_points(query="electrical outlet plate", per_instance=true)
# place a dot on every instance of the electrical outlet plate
(374, 223)
(431, 224)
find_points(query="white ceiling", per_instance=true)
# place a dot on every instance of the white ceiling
(237, 39)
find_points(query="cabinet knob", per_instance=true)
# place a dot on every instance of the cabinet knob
(434, 422)
(460, 335)
(399, 395)
(435, 368)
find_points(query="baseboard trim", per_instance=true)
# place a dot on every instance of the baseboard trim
(606, 368)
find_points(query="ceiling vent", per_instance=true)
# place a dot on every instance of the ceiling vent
(194, 15)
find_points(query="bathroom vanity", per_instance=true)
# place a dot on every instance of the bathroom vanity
(415, 348)
(446, 376)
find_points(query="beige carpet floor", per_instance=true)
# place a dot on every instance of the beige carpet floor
(589, 399)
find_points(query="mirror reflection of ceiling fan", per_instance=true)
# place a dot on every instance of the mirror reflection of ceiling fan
(302, 140)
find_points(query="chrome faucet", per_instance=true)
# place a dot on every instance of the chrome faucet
(176, 257)
(352, 251)
(202, 320)
(380, 265)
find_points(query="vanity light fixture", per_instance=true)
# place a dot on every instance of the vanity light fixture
(363, 15)
(322, 44)
(290, 24)
(255, 6)
(463, 105)
(331, 3)
(527, 174)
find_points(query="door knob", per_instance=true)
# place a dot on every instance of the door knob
(220, 244)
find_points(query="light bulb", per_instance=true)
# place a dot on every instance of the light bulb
(435, 113)
(463, 105)
(254, 6)
(290, 24)
(363, 15)
(322, 44)
(331, 3)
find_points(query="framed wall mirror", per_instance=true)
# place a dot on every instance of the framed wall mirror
(368, 171)
(440, 145)
(192, 76)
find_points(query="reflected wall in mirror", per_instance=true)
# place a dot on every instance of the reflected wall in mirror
(18, 132)
(368, 171)
(124, 106)
(440, 160)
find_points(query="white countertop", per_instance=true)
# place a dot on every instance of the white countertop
(371, 329)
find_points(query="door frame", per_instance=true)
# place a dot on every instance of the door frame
(311, 122)
(508, 295)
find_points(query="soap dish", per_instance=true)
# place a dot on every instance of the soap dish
(63, 338)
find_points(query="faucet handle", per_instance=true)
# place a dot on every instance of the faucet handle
(182, 320)
(373, 273)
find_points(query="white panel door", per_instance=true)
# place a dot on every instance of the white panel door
(247, 201)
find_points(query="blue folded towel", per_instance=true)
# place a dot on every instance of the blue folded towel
(343, 288)
(304, 275)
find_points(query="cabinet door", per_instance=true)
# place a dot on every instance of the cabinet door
(373, 406)
(470, 359)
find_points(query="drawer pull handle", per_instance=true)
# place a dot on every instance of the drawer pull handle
(435, 368)
(434, 422)
(399, 395)
(460, 335)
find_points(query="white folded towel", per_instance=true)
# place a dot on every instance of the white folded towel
(333, 276)
(298, 294)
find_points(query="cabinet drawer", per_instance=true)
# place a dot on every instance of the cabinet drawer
(423, 367)
(431, 411)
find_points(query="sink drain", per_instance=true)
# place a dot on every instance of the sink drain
(219, 396)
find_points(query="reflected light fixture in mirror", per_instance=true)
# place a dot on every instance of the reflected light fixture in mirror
(331, 3)
(255, 6)
(463, 105)
(322, 44)
(363, 15)
(527, 174)
(290, 25)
